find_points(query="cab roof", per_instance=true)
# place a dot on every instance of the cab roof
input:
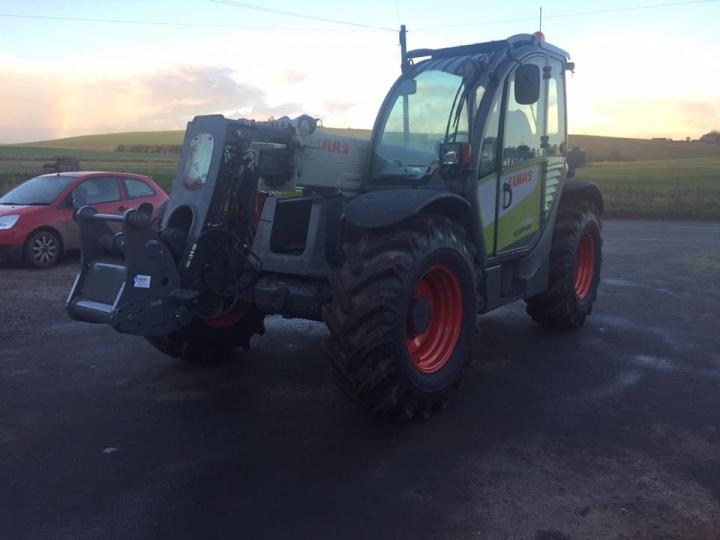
(451, 59)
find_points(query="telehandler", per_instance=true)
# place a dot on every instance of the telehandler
(461, 202)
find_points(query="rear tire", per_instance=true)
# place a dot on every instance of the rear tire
(575, 262)
(43, 249)
(203, 344)
(403, 316)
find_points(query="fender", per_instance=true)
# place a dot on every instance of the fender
(580, 189)
(391, 206)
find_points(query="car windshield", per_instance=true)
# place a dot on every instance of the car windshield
(42, 190)
(427, 111)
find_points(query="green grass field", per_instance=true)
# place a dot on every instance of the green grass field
(662, 188)
(108, 142)
(603, 148)
(665, 180)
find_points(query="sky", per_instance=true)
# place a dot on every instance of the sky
(640, 73)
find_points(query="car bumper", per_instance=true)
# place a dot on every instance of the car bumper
(11, 252)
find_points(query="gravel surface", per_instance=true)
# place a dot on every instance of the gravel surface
(608, 432)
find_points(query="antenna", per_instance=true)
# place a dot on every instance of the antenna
(540, 29)
(404, 62)
(405, 69)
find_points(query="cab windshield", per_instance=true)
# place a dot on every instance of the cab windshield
(427, 111)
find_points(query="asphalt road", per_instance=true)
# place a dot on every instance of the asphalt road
(608, 432)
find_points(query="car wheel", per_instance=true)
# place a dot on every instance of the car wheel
(42, 249)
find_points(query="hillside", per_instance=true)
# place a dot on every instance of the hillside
(625, 149)
(109, 141)
(639, 178)
(599, 148)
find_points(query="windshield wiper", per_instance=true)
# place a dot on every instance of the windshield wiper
(457, 109)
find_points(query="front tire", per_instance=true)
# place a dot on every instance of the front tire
(403, 316)
(575, 262)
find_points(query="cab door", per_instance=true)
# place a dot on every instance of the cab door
(555, 148)
(520, 182)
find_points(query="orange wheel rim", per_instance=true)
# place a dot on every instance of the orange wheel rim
(431, 349)
(585, 267)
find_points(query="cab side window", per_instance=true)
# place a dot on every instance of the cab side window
(523, 127)
(488, 150)
(556, 131)
(98, 190)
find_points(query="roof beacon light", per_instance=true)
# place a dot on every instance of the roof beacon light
(540, 36)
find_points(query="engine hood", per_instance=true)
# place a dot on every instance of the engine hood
(20, 209)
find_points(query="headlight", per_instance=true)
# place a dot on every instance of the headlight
(7, 222)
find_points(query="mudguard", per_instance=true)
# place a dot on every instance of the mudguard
(388, 207)
(581, 189)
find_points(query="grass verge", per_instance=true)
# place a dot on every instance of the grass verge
(684, 188)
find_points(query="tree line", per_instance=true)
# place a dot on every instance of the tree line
(150, 148)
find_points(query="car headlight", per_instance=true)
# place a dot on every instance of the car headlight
(7, 222)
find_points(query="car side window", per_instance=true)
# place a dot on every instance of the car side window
(98, 190)
(135, 189)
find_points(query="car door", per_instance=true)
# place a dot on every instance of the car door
(100, 192)
(522, 169)
(104, 195)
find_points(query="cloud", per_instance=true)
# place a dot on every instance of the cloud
(647, 117)
(291, 76)
(176, 96)
(334, 107)
(34, 105)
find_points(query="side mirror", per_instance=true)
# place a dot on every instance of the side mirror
(527, 84)
(407, 87)
(575, 158)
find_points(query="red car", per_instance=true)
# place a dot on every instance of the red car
(36, 218)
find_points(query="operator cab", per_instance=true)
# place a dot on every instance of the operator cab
(494, 111)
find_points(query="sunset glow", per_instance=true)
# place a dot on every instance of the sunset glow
(648, 73)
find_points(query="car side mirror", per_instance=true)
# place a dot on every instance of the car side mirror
(527, 84)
